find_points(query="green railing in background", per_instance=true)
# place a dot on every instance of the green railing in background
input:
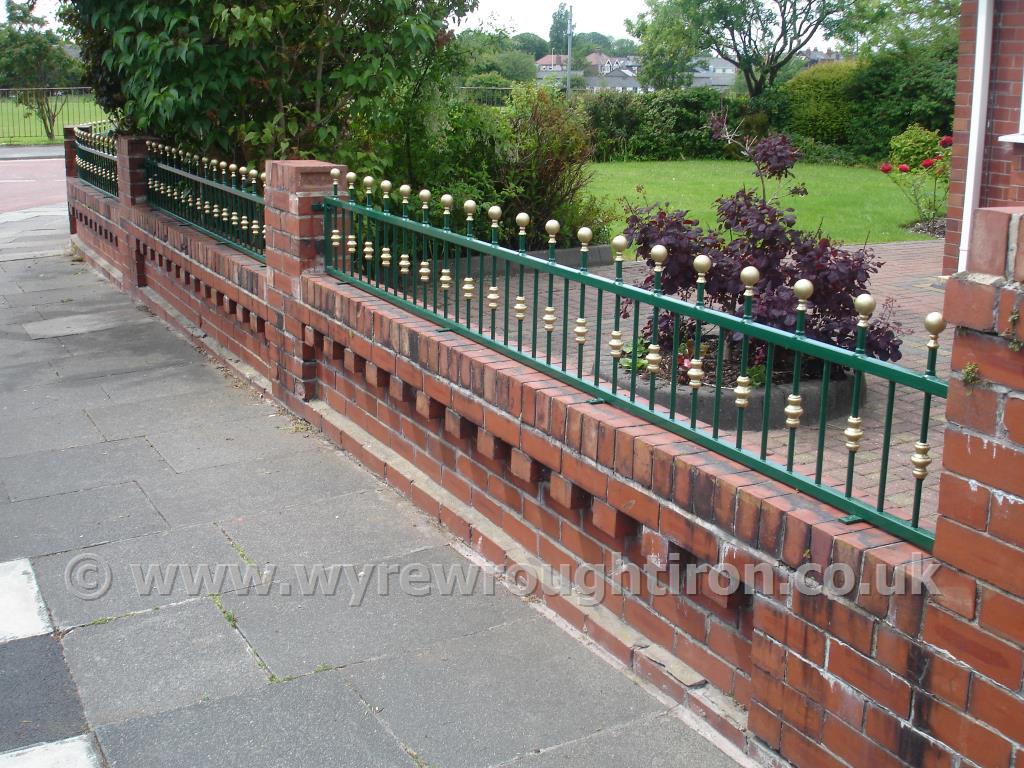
(96, 156)
(553, 318)
(487, 96)
(219, 198)
(39, 115)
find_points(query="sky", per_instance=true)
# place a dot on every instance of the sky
(604, 16)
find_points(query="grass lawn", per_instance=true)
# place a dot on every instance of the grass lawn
(853, 205)
(18, 126)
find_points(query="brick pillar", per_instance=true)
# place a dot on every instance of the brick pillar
(131, 169)
(294, 245)
(70, 168)
(979, 619)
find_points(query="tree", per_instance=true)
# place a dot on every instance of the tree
(623, 46)
(758, 37)
(667, 50)
(559, 35)
(278, 78)
(33, 60)
(875, 26)
(535, 45)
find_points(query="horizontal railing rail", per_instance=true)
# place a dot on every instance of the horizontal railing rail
(588, 330)
(39, 115)
(219, 198)
(96, 156)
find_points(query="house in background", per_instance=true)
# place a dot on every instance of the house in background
(551, 63)
(622, 80)
(814, 56)
(713, 72)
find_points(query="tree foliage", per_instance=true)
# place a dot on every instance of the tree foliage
(33, 57)
(535, 45)
(881, 25)
(559, 35)
(759, 37)
(821, 101)
(281, 78)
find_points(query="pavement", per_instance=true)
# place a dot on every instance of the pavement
(125, 451)
(31, 151)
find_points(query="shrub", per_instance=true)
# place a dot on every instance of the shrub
(900, 87)
(919, 165)
(913, 146)
(753, 230)
(819, 153)
(674, 124)
(614, 119)
(546, 167)
(821, 102)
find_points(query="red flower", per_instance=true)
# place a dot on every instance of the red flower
(946, 141)
(885, 168)
(904, 168)
(928, 162)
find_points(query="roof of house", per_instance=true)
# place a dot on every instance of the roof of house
(552, 60)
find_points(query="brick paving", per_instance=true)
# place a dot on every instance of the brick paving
(910, 276)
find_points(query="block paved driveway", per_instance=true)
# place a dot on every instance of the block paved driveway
(121, 444)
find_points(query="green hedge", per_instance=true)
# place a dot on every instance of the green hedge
(821, 102)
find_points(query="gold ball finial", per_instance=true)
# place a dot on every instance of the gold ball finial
(405, 190)
(935, 323)
(659, 254)
(523, 220)
(223, 165)
(335, 173)
(447, 201)
(619, 245)
(702, 264)
(386, 187)
(553, 227)
(425, 196)
(253, 174)
(368, 182)
(749, 276)
(351, 177)
(865, 305)
(469, 207)
(585, 235)
(495, 213)
(803, 289)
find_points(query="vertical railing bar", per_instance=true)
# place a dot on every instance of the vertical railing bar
(766, 402)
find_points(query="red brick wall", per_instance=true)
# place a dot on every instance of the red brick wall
(529, 472)
(1003, 164)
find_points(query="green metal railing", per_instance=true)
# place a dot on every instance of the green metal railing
(219, 198)
(96, 156)
(39, 115)
(556, 319)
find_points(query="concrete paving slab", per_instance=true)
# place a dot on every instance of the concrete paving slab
(365, 526)
(76, 752)
(219, 444)
(314, 722)
(47, 400)
(23, 351)
(198, 546)
(131, 339)
(22, 610)
(21, 375)
(296, 634)
(78, 469)
(159, 661)
(495, 695)
(74, 325)
(178, 412)
(39, 702)
(75, 520)
(663, 740)
(32, 433)
(53, 295)
(312, 474)
(84, 305)
(164, 382)
(81, 366)
(82, 278)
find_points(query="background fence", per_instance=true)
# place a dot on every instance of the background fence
(39, 115)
